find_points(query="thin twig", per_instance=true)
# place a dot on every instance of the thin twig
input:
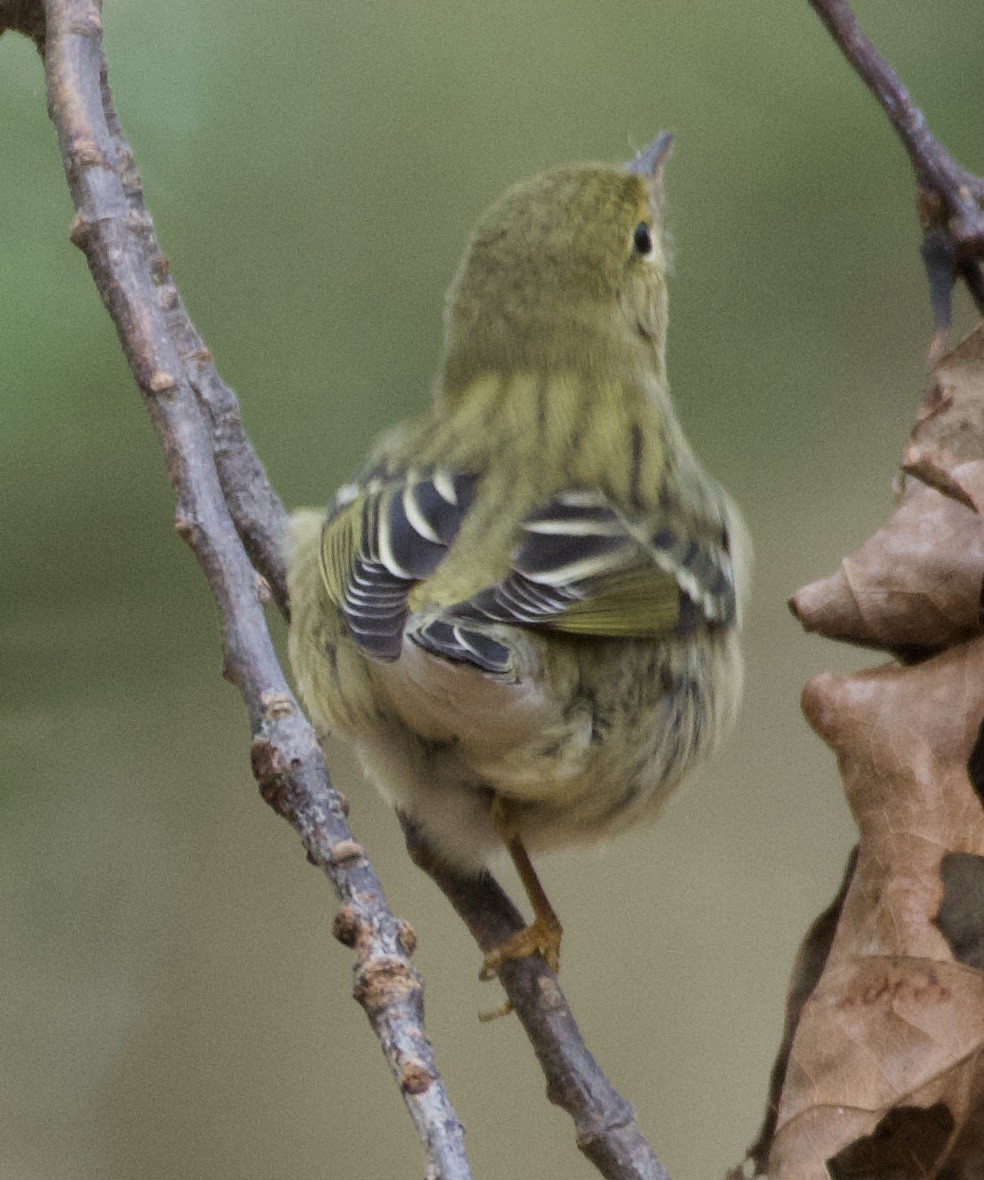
(604, 1122)
(934, 165)
(256, 510)
(959, 194)
(115, 232)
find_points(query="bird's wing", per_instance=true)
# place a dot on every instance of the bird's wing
(380, 540)
(584, 567)
(581, 567)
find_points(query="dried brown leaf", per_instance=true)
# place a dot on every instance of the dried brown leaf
(916, 583)
(952, 415)
(888, 1049)
(915, 586)
(807, 969)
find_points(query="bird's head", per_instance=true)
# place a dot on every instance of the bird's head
(566, 269)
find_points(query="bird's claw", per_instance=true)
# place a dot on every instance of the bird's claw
(542, 937)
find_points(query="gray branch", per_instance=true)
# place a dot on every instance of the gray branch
(235, 524)
(208, 457)
(604, 1122)
(950, 197)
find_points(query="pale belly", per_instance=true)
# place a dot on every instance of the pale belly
(626, 720)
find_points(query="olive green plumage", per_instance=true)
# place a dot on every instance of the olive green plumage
(533, 590)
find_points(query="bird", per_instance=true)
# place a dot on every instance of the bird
(524, 611)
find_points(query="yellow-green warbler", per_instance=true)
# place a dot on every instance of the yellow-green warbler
(524, 612)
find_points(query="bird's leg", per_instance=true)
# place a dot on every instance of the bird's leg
(542, 936)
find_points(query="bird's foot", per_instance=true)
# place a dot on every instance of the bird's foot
(542, 937)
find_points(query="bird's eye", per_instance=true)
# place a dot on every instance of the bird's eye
(642, 239)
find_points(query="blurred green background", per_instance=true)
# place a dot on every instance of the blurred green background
(173, 1004)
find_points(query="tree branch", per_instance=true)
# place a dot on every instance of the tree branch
(222, 490)
(604, 1122)
(950, 197)
(256, 510)
(169, 364)
(23, 16)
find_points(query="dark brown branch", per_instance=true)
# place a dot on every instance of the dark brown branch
(604, 1122)
(23, 16)
(950, 196)
(171, 367)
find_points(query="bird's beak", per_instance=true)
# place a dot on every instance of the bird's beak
(649, 162)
